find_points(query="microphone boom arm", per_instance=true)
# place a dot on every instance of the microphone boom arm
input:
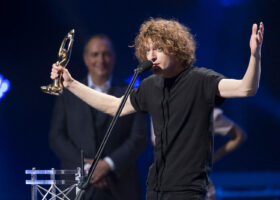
(83, 185)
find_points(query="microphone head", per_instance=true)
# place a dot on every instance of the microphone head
(145, 66)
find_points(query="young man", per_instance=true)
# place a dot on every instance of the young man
(77, 126)
(222, 126)
(180, 99)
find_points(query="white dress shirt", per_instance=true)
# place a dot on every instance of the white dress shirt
(105, 89)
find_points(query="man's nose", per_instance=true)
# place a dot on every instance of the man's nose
(101, 58)
(152, 56)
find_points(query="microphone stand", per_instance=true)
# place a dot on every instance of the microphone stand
(83, 185)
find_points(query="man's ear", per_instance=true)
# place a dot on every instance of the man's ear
(85, 59)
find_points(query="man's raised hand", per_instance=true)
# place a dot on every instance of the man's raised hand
(67, 79)
(256, 39)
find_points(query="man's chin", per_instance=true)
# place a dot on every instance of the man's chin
(156, 71)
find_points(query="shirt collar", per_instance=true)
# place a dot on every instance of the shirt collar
(103, 88)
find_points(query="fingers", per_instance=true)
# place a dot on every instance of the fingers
(97, 180)
(254, 29)
(96, 177)
(261, 28)
(101, 183)
(92, 181)
(259, 36)
(99, 176)
(260, 33)
(55, 71)
(257, 33)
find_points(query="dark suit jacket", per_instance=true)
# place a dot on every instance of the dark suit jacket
(73, 129)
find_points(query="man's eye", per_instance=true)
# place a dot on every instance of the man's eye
(94, 55)
(107, 54)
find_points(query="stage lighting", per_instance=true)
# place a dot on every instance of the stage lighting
(227, 3)
(4, 86)
(136, 84)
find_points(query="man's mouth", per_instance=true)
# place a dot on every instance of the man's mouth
(101, 67)
(155, 65)
(155, 68)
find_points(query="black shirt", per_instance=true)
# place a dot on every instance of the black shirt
(180, 108)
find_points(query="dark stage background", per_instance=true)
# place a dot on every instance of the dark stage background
(31, 33)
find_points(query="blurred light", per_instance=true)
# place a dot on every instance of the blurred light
(227, 3)
(40, 182)
(269, 103)
(4, 86)
(137, 82)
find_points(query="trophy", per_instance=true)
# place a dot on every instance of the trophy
(56, 88)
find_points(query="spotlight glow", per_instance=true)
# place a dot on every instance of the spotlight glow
(227, 3)
(137, 82)
(4, 86)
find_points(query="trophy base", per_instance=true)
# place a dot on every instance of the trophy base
(50, 89)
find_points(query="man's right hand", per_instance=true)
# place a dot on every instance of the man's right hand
(99, 176)
(67, 79)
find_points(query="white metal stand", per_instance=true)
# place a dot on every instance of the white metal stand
(48, 189)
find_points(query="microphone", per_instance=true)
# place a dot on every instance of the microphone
(144, 66)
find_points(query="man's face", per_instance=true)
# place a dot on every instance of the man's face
(99, 58)
(162, 63)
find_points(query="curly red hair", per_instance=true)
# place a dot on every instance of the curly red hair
(174, 38)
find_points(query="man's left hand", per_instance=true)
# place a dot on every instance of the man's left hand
(256, 39)
(101, 170)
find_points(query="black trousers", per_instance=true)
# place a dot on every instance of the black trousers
(182, 195)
